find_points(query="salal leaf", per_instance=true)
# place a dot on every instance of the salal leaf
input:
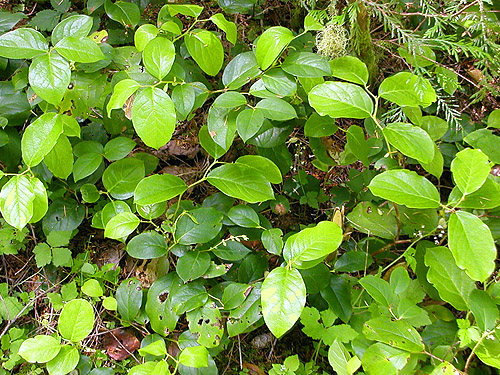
(485, 198)
(40, 203)
(65, 361)
(190, 10)
(227, 26)
(121, 92)
(40, 348)
(184, 98)
(22, 43)
(312, 244)
(350, 68)
(407, 89)
(158, 57)
(121, 177)
(341, 100)
(249, 122)
(200, 225)
(405, 187)
(382, 359)
(128, 14)
(158, 188)
(271, 44)
(221, 123)
(241, 182)
(121, 225)
(78, 26)
(153, 116)
(368, 218)
(143, 35)
(283, 297)
(379, 289)
(82, 49)
(206, 49)
(194, 356)
(472, 245)
(263, 166)
(85, 165)
(410, 140)
(470, 168)
(484, 309)
(16, 201)
(76, 320)
(398, 334)
(40, 137)
(240, 70)
(306, 65)
(488, 350)
(147, 245)
(435, 166)
(452, 283)
(129, 298)
(356, 142)
(49, 77)
(276, 109)
(487, 142)
(60, 159)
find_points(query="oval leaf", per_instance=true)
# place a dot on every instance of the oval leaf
(76, 320)
(410, 140)
(270, 45)
(158, 188)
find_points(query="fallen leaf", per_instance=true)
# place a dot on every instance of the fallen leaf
(120, 344)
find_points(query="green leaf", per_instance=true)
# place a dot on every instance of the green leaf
(319, 126)
(276, 109)
(488, 350)
(227, 26)
(40, 203)
(434, 126)
(263, 166)
(472, 245)
(61, 257)
(79, 49)
(190, 10)
(405, 187)
(484, 309)
(194, 356)
(340, 100)
(184, 98)
(312, 244)
(452, 284)
(351, 69)
(121, 177)
(407, 89)
(16, 201)
(381, 359)
(147, 245)
(494, 119)
(40, 137)
(39, 349)
(8, 20)
(129, 298)
(49, 76)
(76, 320)
(280, 83)
(368, 218)
(158, 188)
(486, 197)
(470, 168)
(198, 226)
(158, 57)
(92, 288)
(271, 44)
(85, 165)
(118, 148)
(230, 99)
(121, 92)
(247, 314)
(60, 159)
(240, 70)
(249, 122)
(78, 26)
(339, 357)
(153, 116)
(128, 14)
(283, 297)
(398, 334)
(410, 140)
(244, 216)
(221, 123)
(43, 254)
(193, 265)
(379, 289)
(22, 43)
(206, 49)
(241, 182)
(143, 35)
(306, 64)
(65, 361)
(208, 144)
(435, 167)
(487, 142)
(357, 143)
(121, 225)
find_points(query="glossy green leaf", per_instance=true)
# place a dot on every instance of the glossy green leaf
(263, 166)
(283, 297)
(486, 197)
(118, 148)
(230, 99)
(144, 34)
(276, 109)
(249, 122)
(49, 76)
(147, 245)
(319, 126)
(247, 315)
(381, 359)
(405, 187)
(484, 309)
(208, 144)
(435, 166)
(192, 265)
(121, 177)
(472, 245)
(40, 348)
(312, 244)
(227, 26)
(271, 44)
(65, 361)
(158, 57)
(350, 68)
(407, 89)
(128, 14)
(339, 357)
(198, 226)
(240, 70)
(340, 100)
(370, 219)
(85, 165)
(92, 288)
(410, 140)
(40, 203)
(129, 298)
(76, 320)
(194, 356)
(16, 201)
(379, 289)
(434, 126)
(153, 116)
(306, 64)
(244, 216)
(470, 168)
(487, 142)
(221, 123)
(398, 334)
(40, 137)
(121, 92)
(280, 83)
(357, 143)
(241, 182)
(79, 49)
(22, 43)
(60, 159)
(494, 119)
(158, 188)
(452, 283)
(206, 49)
(488, 350)
(190, 10)
(77, 26)
(121, 225)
